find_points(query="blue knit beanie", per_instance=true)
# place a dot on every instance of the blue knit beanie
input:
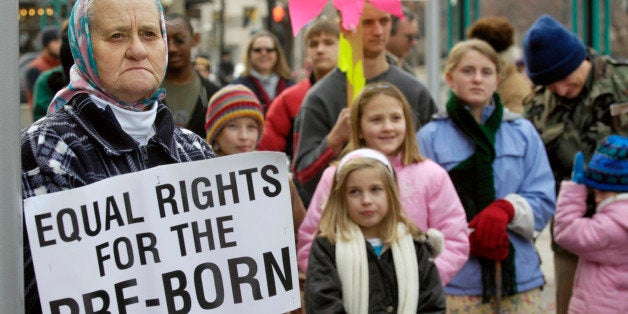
(551, 51)
(608, 169)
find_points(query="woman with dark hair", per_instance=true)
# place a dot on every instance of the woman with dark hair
(266, 71)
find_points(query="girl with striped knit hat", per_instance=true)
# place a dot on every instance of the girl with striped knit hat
(234, 120)
(234, 123)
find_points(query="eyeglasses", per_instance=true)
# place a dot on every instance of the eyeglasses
(267, 50)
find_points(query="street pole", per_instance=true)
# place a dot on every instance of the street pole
(432, 51)
(222, 26)
(574, 16)
(607, 27)
(450, 23)
(594, 20)
(11, 267)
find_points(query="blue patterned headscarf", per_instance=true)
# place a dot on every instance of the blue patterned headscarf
(84, 76)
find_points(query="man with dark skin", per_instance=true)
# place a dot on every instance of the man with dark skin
(187, 93)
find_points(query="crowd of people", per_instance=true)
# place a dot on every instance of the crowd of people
(397, 206)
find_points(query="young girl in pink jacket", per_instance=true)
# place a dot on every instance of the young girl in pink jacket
(381, 119)
(600, 241)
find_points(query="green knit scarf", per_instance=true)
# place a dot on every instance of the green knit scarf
(473, 179)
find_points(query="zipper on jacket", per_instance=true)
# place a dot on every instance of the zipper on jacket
(144, 155)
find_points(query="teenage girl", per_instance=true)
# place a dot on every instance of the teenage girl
(499, 167)
(368, 257)
(381, 119)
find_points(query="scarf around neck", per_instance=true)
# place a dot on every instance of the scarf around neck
(84, 76)
(352, 265)
(474, 182)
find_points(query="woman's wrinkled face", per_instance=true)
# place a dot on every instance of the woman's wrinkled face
(128, 47)
(474, 79)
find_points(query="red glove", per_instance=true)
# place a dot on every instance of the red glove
(490, 240)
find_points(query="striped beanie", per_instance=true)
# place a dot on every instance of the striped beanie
(608, 169)
(230, 102)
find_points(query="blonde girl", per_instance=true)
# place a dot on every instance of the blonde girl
(368, 257)
(381, 119)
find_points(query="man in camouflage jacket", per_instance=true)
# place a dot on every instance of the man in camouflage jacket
(581, 123)
(580, 98)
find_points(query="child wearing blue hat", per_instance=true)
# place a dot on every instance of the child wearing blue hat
(600, 241)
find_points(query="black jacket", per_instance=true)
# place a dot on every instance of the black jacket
(97, 148)
(323, 290)
(197, 120)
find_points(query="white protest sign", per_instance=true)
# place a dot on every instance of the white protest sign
(207, 235)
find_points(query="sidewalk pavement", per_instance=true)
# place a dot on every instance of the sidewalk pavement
(548, 295)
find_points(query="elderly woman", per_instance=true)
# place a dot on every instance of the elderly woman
(111, 119)
(499, 167)
(266, 71)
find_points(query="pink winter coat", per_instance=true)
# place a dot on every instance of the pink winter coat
(601, 243)
(430, 201)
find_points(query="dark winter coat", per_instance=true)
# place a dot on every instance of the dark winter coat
(256, 87)
(83, 144)
(323, 290)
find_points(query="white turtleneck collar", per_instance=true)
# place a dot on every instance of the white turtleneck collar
(137, 124)
(269, 82)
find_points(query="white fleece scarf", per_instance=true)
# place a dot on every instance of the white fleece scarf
(354, 274)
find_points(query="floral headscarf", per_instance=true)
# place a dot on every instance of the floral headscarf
(84, 76)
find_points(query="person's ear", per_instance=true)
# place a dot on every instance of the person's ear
(449, 79)
(196, 38)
